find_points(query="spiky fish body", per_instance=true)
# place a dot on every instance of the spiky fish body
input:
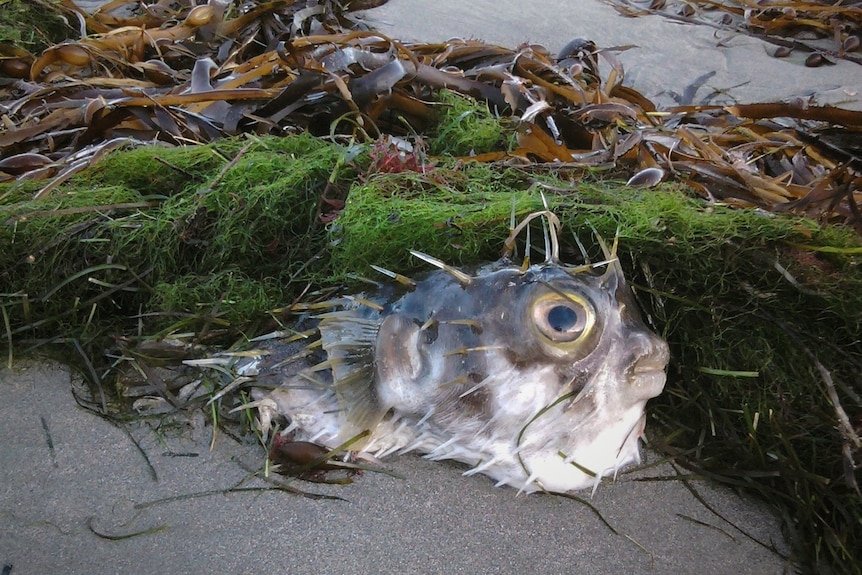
(537, 377)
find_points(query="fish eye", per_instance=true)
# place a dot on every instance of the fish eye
(563, 317)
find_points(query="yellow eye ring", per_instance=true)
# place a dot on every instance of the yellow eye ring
(563, 318)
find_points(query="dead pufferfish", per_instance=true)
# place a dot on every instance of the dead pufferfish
(536, 375)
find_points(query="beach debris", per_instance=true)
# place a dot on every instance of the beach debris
(823, 31)
(196, 74)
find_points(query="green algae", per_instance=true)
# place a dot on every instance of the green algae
(32, 25)
(464, 126)
(175, 225)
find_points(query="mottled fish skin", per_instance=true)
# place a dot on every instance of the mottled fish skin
(536, 377)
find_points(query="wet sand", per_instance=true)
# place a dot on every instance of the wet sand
(66, 474)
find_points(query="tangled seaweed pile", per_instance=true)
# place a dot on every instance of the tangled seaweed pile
(823, 31)
(762, 310)
(207, 71)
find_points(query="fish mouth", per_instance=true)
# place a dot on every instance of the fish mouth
(647, 379)
(647, 372)
(647, 367)
(647, 375)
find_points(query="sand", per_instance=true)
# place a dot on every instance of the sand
(56, 493)
(661, 57)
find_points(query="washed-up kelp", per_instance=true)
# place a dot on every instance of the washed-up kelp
(200, 73)
(822, 31)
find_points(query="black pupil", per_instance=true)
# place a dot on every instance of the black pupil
(562, 318)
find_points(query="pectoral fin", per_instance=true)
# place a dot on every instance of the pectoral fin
(349, 341)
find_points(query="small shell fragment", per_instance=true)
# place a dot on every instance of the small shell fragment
(23, 163)
(646, 178)
(815, 60)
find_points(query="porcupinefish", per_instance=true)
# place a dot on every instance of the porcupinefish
(535, 375)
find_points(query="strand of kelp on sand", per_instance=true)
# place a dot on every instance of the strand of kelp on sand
(200, 73)
(822, 32)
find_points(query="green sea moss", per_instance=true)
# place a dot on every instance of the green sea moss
(460, 216)
(465, 126)
(233, 226)
(32, 24)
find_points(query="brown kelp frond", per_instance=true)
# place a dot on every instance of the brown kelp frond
(202, 73)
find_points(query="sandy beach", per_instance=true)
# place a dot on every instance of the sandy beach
(661, 57)
(73, 486)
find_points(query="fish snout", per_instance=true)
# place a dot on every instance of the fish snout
(649, 356)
